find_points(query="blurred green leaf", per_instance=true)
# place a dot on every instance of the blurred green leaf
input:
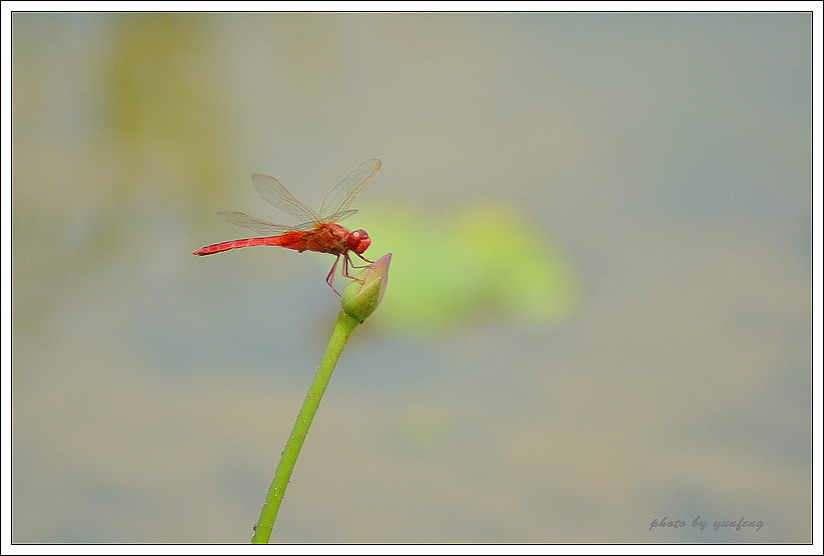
(481, 261)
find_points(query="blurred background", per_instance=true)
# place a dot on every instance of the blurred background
(599, 302)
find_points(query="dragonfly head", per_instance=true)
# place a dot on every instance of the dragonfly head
(358, 241)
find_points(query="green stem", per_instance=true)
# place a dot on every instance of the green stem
(343, 328)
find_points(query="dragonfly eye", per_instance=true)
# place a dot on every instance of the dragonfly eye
(358, 241)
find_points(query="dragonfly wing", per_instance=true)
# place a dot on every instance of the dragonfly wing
(255, 224)
(335, 204)
(345, 214)
(277, 195)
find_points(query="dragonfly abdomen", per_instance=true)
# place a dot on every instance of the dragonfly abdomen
(285, 240)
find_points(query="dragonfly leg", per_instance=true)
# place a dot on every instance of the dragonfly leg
(330, 278)
(346, 264)
(356, 266)
(364, 258)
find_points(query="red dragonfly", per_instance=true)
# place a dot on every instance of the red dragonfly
(318, 232)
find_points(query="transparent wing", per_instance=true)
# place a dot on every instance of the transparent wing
(335, 204)
(277, 196)
(345, 214)
(258, 225)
